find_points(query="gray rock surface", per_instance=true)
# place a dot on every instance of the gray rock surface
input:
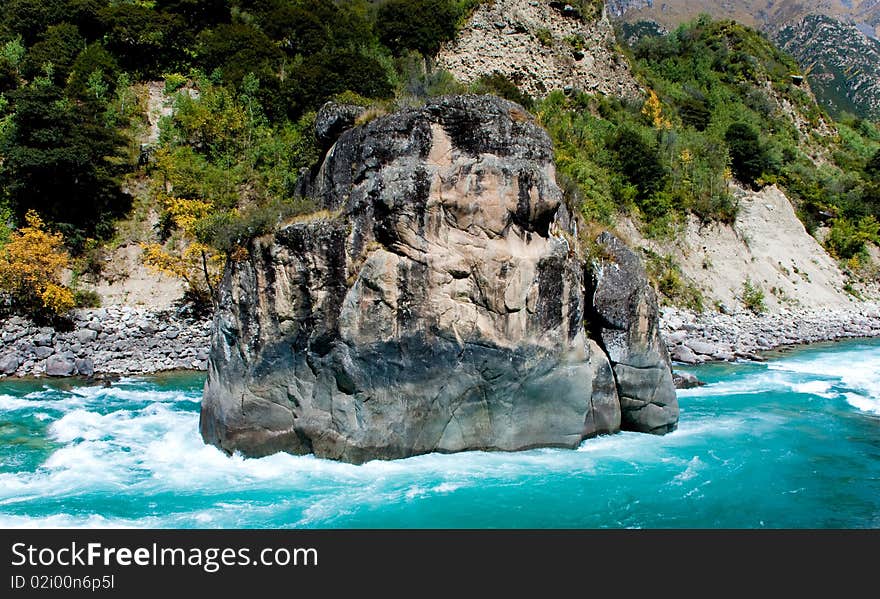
(438, 304)
(686, 380)
(9, 363)
(625, 319)
(333, 119)
(60, 366)
(105, 341)
(85, 367)
(717, 336)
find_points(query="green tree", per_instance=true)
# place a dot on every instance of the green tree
(872, 168)
(146, 41)
(59, 46)
(59, 160)
(238, 49)
(29, 18)
(637, 157)
(748, 156)
(417, 25)
(92, 59)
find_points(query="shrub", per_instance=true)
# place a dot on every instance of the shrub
(847, 239)
(499, 85)
(229, 231)
(173, 82)
(545, 38)
(872, 168)
(638, 159)
(86, 298)
(753, 297)
(30, 270)
(670, 282)
(748, 156)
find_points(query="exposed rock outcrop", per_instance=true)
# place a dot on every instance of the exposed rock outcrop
(540, 46)
(624, 317)
(437, 303)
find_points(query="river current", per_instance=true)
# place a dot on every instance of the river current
(790, 443)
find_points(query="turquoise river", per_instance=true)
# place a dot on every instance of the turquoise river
(790, 443)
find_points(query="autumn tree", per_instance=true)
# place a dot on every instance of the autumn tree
(653, 111)
(183, 256)
(30, 270)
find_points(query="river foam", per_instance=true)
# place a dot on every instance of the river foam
(131, 456)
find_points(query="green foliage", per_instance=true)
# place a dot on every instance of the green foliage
(544, 37)
(221, 150)
(58, 159)
(872, 168)
(847, 239)
(247, 76)
(173, 82)
(499, 85)
(58, 45)
(421, 25)
(670, 282)
(753, 297)
(637, 158)
(748, 156)
(86, 298)
(94, 58)
(229, 231)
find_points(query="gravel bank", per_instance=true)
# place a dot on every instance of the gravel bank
(105, 341)
(131, 341)
(696, 338)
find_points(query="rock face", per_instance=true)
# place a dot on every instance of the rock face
(624, 316)
(437, 303)
(540, 46)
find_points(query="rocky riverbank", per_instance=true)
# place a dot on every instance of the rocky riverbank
(696, 338)
(132, 341)
(105, 341)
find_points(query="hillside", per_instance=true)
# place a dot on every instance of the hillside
(761, 14)
(152, 170)
(845, 73)
(835, 42)
(540, 47)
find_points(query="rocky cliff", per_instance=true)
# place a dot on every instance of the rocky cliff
(439, 302)
(541, 46)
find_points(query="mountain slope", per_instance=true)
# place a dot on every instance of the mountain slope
(845, 74)
(763, 14)
(835, 41)
(540, 47)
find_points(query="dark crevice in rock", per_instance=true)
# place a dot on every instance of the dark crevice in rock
(593, 322)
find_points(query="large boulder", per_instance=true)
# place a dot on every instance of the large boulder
(9, 363)
(436, 303)
(624, 319)
(60, 366)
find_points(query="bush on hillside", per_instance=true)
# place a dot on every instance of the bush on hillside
(30, 271)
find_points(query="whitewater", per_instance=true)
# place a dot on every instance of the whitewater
(790, 443)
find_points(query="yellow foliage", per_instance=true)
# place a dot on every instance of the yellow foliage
(158, 260)
(190, 260)
(31, 266)
(58, 299)
(654, 112)
(198, 265)
(185, 213)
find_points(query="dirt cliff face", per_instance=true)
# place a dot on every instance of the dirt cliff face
(540, 46)
(438, 303)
